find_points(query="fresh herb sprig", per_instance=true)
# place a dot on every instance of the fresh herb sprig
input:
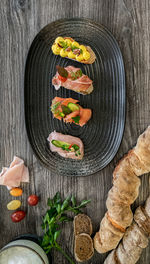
(76, 119)
(54, 217)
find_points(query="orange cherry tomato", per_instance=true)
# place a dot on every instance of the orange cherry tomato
(18, 216)
(33, 200)
(16, 192)
(62, 79)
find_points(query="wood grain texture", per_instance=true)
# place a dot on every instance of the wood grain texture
(21, 20)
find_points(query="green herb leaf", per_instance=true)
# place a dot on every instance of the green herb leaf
(57, 198)
(65, 218)
(52, 212)
(73, 76)
(46, 218)
(76, 75)
(54, 107)
(77, 153)
(62, 71)
(50, 202)
(65, 203)
(76, 147)
(65, 147)
(58, 208)
(79, 73)
(73, 200)
(56, 235)
(76, 119)
(84, 203)
(74, 47)
(45, 240)
(63, 44)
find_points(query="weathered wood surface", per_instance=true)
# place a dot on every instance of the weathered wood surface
(20, 21)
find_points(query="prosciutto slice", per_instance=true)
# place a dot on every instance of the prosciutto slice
(16, 173)
(82, 84)
(68, 139)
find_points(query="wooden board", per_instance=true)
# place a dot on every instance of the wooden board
(20, 21)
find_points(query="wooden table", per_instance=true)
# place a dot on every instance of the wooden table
(20, 21)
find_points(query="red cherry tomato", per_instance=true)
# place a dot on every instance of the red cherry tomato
(33, 200)
(18, 216)
(62, 79)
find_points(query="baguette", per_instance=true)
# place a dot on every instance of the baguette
(124, 192)
(83, 249)
(134, 240)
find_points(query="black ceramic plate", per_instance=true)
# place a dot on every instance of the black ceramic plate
(103, 133)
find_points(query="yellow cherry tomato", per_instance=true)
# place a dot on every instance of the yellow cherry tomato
(83, 48)
(75, 44)
(63, 53)
(13, 205)
(79, 57)
(71, 55)
(86, 55)
(59, 39)
(16, 192)
(68, 42)
(56, 49)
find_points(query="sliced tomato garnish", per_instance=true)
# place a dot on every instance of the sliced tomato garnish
(62, 79)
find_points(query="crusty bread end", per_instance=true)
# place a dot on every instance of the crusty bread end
(84, 249)
(82, 224)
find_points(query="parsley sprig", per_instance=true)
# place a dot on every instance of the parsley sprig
(54, 217)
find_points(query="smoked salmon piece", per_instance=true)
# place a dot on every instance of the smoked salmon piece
(71, 112)
(76, 80)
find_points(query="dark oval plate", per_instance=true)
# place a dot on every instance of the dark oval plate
(103, 133)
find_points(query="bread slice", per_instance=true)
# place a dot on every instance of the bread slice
(92, 54)
(84, 249)
(82, 224)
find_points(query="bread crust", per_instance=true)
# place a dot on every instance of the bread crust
(83, 249)
(135, 238)
(124, 192)
(82, 224)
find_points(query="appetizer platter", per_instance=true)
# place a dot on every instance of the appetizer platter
(74, 88)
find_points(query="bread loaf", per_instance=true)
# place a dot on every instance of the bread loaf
(124, 192)
(134, 240)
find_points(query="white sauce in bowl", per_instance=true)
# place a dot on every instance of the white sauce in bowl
(19, 255)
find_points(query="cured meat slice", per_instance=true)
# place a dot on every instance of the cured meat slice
(67, 152)
(76, 81)
(15, 174)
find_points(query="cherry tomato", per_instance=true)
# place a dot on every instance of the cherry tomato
(16, 191)
(18, 216)
(33, 200)
(62, 79)
(13, 205)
